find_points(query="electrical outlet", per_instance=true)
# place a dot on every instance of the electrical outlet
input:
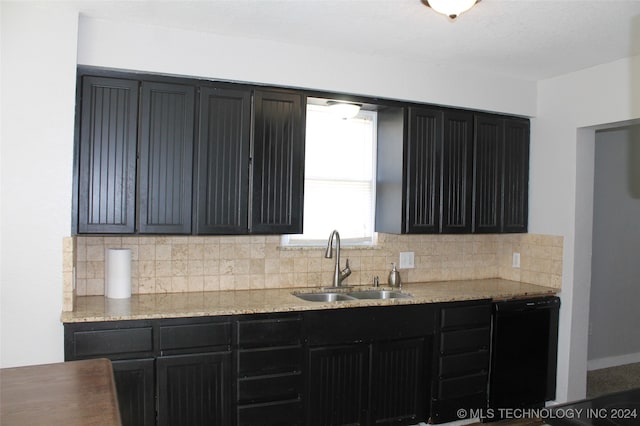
(406, 260)
(516, 260)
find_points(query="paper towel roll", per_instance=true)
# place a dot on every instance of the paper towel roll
(118, 273)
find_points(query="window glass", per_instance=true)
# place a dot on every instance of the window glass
(339, 190)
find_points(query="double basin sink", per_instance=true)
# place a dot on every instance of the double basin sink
(330, 296)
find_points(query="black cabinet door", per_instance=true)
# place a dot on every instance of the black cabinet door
(194, 389)
(488, 174)
(166, 157)
(423, 159)
(278, 163)
(221, 197)
(338, 379)
(136, 391)
(457, 170)
(516, 175)
(399, 382)
(106, 179)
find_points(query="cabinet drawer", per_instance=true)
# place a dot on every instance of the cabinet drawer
(464, 363)
(270, 332)
(469, 316)
(461, 386)
(112, 342)
(465, 340)
(256, 362)
(269, 388)
(283, 413)
(194, 336)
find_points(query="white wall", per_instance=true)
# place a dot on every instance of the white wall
(38, 85)
(561, 188)
(614, 334)
(172, 51)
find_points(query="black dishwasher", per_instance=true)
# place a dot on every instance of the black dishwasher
(524, 353)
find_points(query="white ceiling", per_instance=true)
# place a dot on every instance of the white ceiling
(525, 39)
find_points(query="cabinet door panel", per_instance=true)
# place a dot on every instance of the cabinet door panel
(457, 165)
(136, 391)
(338, 383)
(194, 389)
(278, 163)
(399, 382)
(222, 175)
(423, 174)
(516, 175)
(166, 157)
(487, 191)
(107, 166)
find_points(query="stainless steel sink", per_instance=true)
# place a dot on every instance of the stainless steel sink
(354, 295)
(379, 294)
(323, 297)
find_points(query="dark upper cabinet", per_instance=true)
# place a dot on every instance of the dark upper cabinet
(449, 171)
(489, 160)
(106, 134)
(278, 163)
(221, 192)
(457, 169)
(516, 175)
(501, 174)
(166, 157)
(424, 151)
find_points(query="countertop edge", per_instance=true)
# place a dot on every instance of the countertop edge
(224, 303)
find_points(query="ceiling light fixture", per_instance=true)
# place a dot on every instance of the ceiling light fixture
(343, 110)
(450, 8)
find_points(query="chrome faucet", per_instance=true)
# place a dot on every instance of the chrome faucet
(338, 275)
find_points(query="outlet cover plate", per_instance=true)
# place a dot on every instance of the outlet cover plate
(406, 260)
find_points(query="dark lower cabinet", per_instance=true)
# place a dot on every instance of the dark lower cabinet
(375, 371)
(194, 390)
(381, 365)
(270, 370)
(399, 382)
(136, 391)
(338, 385)
(461, 368)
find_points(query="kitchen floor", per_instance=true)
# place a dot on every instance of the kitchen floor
(614, 379)
(599, 382)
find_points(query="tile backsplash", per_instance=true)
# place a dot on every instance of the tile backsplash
(170, 264)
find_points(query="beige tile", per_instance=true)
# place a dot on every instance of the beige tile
(227, 251)
(164, 284)
(196, 268)
(257, 281)
(95, 287)
(258, 251)
(163, 268)
(179, 252)
(242, 266)
(242, 282)
(179, 284)
(211, 267)
(226, 267)
(196, 251)
(179, 268)
(164, 252)
(146, 268)
(211, 283)
(271, 266)
(95, 253)
(146, 252)
(211, 251)
(196, 283)
(257, 266)
(227, 282)
(95, 269)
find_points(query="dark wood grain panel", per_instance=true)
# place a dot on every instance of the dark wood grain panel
(136, 391)
(338, 383)
(166, 156)
(424, 166)
(399, 391)
(457, 166)
(194, 390)
(488, 162)
(107, 166)
(221, 200)
(278, 163)
(516, 175)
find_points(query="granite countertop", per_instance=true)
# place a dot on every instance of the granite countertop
(176, 305)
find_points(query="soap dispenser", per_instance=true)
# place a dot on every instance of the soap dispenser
(394, 277)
